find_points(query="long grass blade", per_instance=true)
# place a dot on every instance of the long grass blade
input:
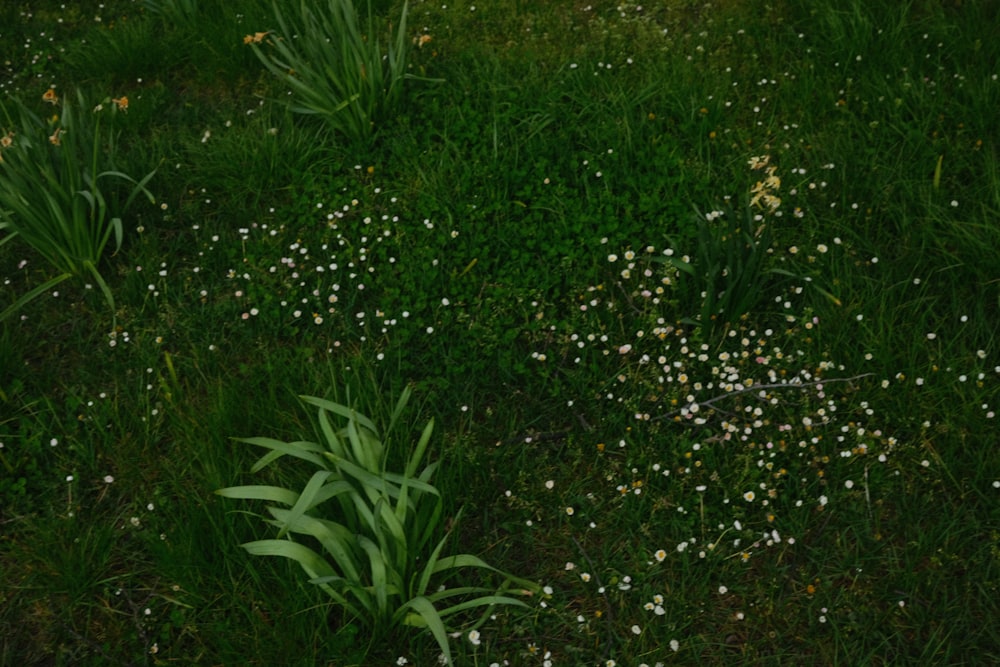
(424, 610)
(336, 539)
(310, 561)
(307, 451)
(305, 501)
(274, 494)
(380, 582)
(31, 295)
(484, 601)
(342, 410)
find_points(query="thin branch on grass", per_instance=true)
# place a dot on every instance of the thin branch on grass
(755, 388)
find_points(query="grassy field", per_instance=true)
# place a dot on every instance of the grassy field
(703, 300)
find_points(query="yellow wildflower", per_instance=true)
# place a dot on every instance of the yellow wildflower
(54, 139)
(121, 102)
(763, 191)
(7, 141)
(50, 96)
(255, 38)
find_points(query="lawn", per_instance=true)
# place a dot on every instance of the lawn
(696, 306)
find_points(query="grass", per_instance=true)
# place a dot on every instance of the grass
(501, 248)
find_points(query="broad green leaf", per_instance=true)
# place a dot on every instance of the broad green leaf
(418, 453)
(367, 451)
(314, 564)
(387, 481)
(385, 543)
(431, 619)
(462, 560)
(307, 451)
(439, 595)
(305, 501)
(336, 539)
(380, 582)
(364, 513)
(468, 560)
(102, 284)
(432, 561)
(330, 490)
(310, 561)
(428, 472)
(403, 506)
(489, 600)
(367, 479)
(417, 484)
(266, 460)
(275, 494)
(396, 533)
(333, 442)
(397, 411)
(341, 410)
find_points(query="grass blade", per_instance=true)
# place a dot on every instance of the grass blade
(305, 501)
(274, 494)
(429, 618)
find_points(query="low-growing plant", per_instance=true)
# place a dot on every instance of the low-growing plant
(727, 271)
(381, 537)
(335, 68)
(52, 193)
(731, 269)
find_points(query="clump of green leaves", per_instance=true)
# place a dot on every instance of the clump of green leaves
(728, 272)
(378, 530)
(52, 192)
(732, 269)
(335, 68)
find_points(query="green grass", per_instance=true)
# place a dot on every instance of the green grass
(500, 248)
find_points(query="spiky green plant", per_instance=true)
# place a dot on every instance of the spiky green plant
(52, 190)
(378, 530)
(334, 67)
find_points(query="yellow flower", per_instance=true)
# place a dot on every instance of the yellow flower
(423, 39)
(772, 182)
(50, 96)
(763, 191)
(255, 38)
(7, 141)
(121, 103)
(54, 139)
